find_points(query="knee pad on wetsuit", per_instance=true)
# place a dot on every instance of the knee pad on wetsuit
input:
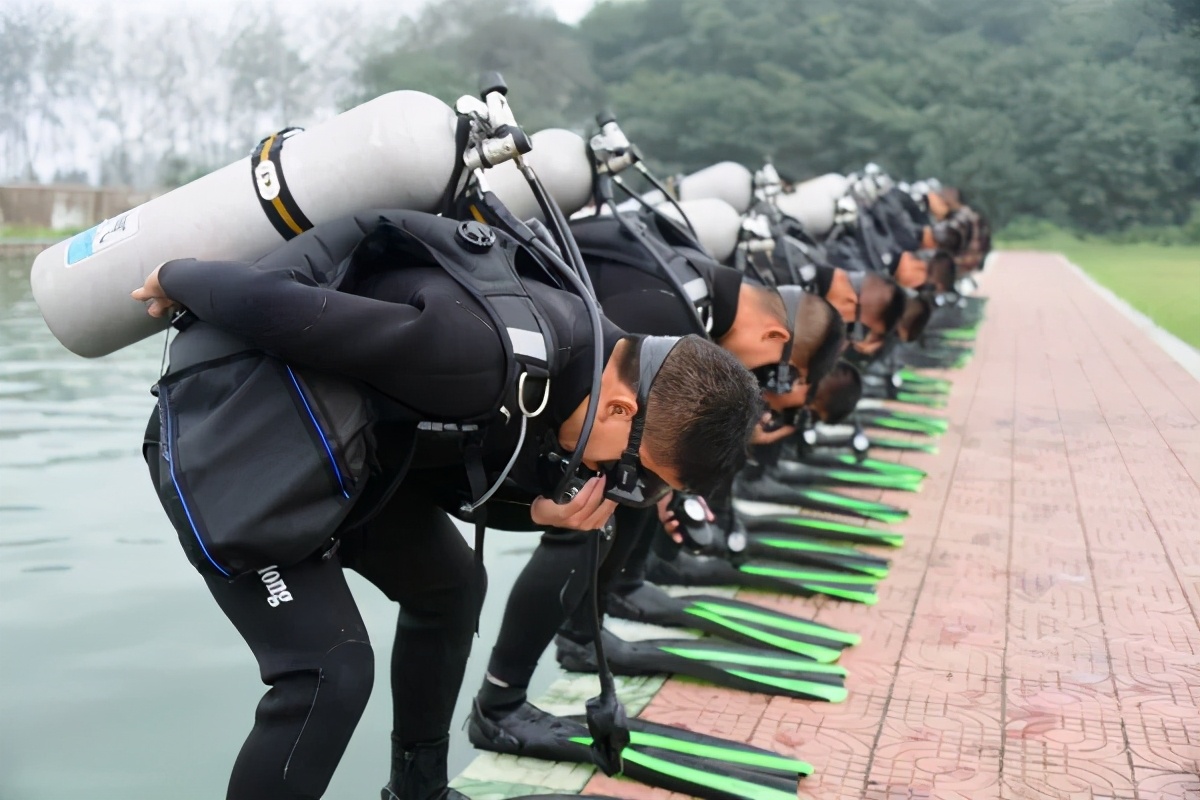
(332, 702)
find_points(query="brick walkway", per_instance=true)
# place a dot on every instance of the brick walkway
(1039, 634)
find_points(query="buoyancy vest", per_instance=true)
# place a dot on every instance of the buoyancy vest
(658, 248)
(264, 462)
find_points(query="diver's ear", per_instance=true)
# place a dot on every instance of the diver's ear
(620, 406)
(775, 332)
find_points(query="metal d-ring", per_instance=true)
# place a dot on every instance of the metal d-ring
(521, 396)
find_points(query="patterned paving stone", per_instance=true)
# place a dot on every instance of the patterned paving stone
(1039, 633)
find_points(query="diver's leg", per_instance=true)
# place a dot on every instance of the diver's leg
(418, 557)
(552, 588)
(312, 649)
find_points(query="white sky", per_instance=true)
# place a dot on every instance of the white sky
(569, 11)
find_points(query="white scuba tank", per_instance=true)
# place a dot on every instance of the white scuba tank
(716, 223)
(727, 180)
(813, 202)
(396, 151)
(563, 165)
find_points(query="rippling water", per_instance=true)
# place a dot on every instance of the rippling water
(119, 677)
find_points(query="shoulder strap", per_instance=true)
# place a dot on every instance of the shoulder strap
(644, 249)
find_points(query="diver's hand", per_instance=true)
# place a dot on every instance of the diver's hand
(152, 294)
(587, 511)
(671, 524)
(667, 517)
(763, 436)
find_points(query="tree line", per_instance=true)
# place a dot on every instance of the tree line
(1085, 113)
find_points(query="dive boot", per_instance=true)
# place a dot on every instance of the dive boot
(419, 773)
(658, 755)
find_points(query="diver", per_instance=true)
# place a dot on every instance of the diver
(747, 319)
(427, 352)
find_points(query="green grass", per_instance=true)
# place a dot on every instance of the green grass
(1163, 282)
(35, 233)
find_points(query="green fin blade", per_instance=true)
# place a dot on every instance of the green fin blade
(736, 610)
(885, 443)
(826, 528)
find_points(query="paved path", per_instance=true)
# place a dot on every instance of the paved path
(1039, 634)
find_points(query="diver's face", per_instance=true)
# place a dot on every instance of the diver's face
(668, 474)
(614, 418)
(791, 399)
(871, 344)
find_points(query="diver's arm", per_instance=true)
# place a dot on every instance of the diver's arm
(283, 312)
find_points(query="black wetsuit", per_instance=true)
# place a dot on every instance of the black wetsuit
(640, 301)
(409, 331)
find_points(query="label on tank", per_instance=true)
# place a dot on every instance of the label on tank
(106, 234)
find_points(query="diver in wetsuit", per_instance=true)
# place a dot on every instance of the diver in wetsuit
(747, 319)
(424, 347)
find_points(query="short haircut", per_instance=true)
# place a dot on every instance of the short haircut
(893, 308)
(948, 237)
(700, 414)
(838, 393)
(818, 336)
(917, 311)
(942, 271)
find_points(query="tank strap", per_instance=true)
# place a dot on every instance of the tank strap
(266, 170)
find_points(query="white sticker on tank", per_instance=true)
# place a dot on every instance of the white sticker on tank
(267, 180)
(104, 235)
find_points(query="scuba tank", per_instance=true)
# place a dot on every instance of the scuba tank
(396, 151)
(563, 166)
(715, 222)
(726, 180)
(813, 202)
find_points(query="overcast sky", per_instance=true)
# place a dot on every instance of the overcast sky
(569, 11)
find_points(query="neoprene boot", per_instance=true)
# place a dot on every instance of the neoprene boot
(419, 772)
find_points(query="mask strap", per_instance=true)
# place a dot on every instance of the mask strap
(651, 353)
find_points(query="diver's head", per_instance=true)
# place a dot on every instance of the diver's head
(818, 340)
(881, 304)
(945, 235)
(837, 394)
(911, 270)
(939, 206)
(837, 289)
(943, 273)
(759, 329)
(700, 410)
(917, 311)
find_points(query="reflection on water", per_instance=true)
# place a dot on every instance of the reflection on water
(119, 677)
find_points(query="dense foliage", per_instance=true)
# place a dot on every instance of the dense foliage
(1082, 112)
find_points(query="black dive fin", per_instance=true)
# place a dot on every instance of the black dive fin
(802, 474)
(657, 755)
(795, 548)
(732, 620)
(747, 668)
(828, 529)
(686, 569)
(769, 490)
